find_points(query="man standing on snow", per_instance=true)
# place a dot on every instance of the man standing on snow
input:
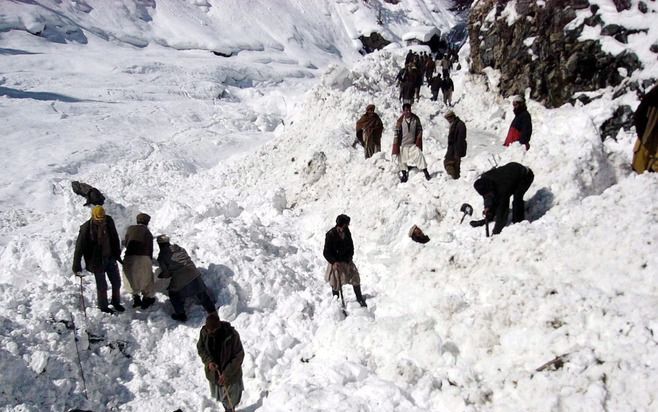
(369, 130)
(408, 143)
(646, 126)
(98, 243)
(456, 144)
(137, 261)
(339, 251)
(186, 280)
(521, 128)
(447, 87)
(221, 352)
(496, 187)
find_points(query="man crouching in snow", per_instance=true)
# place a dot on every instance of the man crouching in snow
(339, 250)
(186, 280)
(221, 352)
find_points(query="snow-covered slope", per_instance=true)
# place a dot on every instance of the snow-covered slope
(248, 183)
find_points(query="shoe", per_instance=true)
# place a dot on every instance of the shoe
(362, 303)
(181, 317)
(359, 296)
(107, 310)
(118, 307)
(137, 301)
(477, 223)
(427, 174)
(147, 302)
(334, 292)
(404, 176)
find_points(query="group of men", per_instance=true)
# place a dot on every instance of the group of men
(219, 344)
(422, 66)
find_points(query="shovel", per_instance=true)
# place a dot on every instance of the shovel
(467, 210)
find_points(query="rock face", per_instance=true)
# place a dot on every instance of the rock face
(540, 50)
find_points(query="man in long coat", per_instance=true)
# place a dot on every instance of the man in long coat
(369, 130)
(456, 144)
(221, 352)
(408, 143)
(339, 251)
(138, 261)
(98, 244)
(496, 187)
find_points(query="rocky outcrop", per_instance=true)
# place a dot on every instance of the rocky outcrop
(540, 49)
(373, 42)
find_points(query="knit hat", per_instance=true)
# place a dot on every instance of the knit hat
(143, 218)
(518, 99)
(342, 220)
(483, 186)
(162, 239)
(449, 115)
(212, 321)
(98, 213)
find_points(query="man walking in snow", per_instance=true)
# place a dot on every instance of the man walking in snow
(496, 187)
(137, 261)
(435, 85)
(221, 352)
(369, 130)
(456, 144)
(186, 280)
(447, 87)
(98, 243)
(339, 251)
(408, 143)
(521, 128)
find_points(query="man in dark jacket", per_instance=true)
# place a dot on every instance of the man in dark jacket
(138, 261)
(186, 280)
(456, 144)
(221, 352)
(98, 243)
(339, 251)
(435, 85)
(496, 187)
(447, 87)
(521, 128)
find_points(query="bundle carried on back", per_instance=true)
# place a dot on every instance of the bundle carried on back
(93, 195)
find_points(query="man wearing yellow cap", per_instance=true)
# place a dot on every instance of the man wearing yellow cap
(98, 243)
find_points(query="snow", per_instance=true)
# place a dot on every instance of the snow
(246, 161)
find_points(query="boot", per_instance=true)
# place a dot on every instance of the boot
(427, 174)
(404, 176)
(334, 293)
(117, 306)
(147, 302)
(137, 301)
(181, 317)
(101, 297)
(359, 296)
(107, 310)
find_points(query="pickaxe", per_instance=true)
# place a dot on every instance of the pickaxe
(467, 210)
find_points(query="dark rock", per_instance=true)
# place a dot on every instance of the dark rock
(642, 6)
(654, 48)
(555, 65)
(579, 4)
(622, 4)
(373, 42)
(622, 117)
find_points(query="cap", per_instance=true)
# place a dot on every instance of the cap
(518, 99)
(162, 239)
(412, 230)
(370, 108)
(97, 213)
(143, 218)
(449, 115)
(342, 220)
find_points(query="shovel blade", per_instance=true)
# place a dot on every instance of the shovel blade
(467, 209)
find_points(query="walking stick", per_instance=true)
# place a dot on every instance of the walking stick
(82, 299)
(228, 397)
(82, 372)
(486, 225)
(340, 291)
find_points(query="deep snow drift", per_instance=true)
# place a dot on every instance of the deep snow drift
(245, 162)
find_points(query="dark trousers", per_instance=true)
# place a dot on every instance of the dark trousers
(518, 207)
(194, 288)
(110, 268)
(452, 166)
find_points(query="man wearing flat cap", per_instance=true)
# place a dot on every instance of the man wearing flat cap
(369, 130)
(339, 251)
(521, 128)
(98, 244)
(138, 261)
